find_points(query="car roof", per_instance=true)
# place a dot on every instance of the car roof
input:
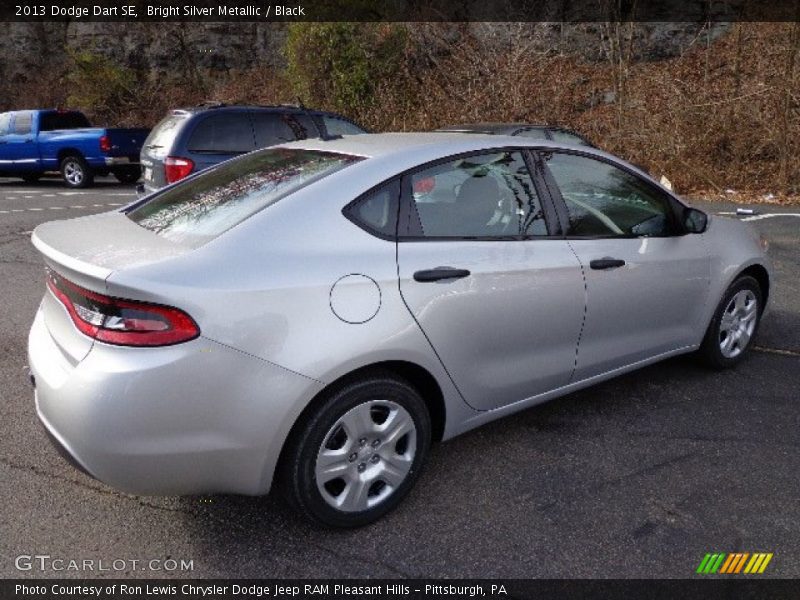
(495, 128)
(284, 108)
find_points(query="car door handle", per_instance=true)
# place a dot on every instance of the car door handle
(606, 263)
(440, 273)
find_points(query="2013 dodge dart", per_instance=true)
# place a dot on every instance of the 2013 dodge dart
(318, 313)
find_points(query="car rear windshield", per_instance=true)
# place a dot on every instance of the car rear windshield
(205, 206)
(161, 138)
(52, 121)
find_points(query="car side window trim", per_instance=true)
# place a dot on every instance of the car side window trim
(674, 204)
(349, 210)
(410, 226)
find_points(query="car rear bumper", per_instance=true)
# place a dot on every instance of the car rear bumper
(193, 418)
(120, 161)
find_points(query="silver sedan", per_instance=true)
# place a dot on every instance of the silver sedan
(318, 313)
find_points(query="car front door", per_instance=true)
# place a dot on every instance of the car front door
(499, 298)
(646, 280)
(21, 144)
(5, 153)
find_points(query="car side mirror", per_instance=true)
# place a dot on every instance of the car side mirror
(694, 221)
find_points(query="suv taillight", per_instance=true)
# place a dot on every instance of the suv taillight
(105, 143)
(176, 168)
(122, 322)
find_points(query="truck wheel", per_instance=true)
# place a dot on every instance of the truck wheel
(31, 177)
(76, 172)
(128, 175)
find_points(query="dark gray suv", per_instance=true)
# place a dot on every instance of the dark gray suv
(192, 139)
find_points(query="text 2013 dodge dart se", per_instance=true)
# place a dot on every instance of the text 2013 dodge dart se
(317, 313)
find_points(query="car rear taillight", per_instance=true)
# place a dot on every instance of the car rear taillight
(176, 168)
(105, 143)
(122, 322)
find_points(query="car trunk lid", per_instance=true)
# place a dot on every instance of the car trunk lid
(86, 251)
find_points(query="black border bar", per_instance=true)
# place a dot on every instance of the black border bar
(695, 11)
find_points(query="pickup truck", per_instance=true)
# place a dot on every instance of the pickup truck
(33, 142)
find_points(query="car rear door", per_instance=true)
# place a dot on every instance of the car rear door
(499, 297)
(646, 280)
(158, 145)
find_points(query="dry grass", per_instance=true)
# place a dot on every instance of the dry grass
(720, 117)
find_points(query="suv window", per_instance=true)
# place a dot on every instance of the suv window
(604, 200)
(567, 137)
(534, 133)
(5, 121)
(483, 195)
(272, 128)
(205, 206)
(225, 133)
(22, 122)
(337, 126)
(162, 137)
(376, 211)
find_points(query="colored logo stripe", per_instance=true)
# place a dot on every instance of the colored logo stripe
(732, 563)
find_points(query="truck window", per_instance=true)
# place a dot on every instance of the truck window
(22, 122)
(5, 121)
(52, 121)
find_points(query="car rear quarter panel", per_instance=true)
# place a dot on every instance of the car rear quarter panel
(264, 288)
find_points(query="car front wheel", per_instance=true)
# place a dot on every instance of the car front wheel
(734, 325)
(356, 456)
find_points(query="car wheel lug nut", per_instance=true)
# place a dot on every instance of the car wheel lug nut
(375, 458)
(353, 457)
(376, 443)
(362, 442)
(361, 467)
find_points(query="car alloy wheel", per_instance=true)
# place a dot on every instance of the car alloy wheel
(738, 323)
(73, 172)
(366, 456)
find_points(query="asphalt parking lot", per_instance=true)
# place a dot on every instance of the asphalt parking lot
(637, 477)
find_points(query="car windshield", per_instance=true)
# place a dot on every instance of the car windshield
(203, 207)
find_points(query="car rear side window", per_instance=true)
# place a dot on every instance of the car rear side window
(228, 133)
(205, 206)
(478, 196)
(22, 122)
(272, 129)
(376, 211)
(5, 121)
(53, 121)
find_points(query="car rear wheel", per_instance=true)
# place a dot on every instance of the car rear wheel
(128, 175)
(734, 325)
(75, 172)
(359, 452)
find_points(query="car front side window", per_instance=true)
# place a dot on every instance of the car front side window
(478, 196)
(606, 201)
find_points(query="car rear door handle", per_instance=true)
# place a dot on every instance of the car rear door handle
(440, 273)
(606, 263)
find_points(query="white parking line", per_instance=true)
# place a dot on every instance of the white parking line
(40, 209)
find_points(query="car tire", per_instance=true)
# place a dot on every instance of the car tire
(128, 175)
(734, 325)
(76, 172)
(358, 453)
(31, 177)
